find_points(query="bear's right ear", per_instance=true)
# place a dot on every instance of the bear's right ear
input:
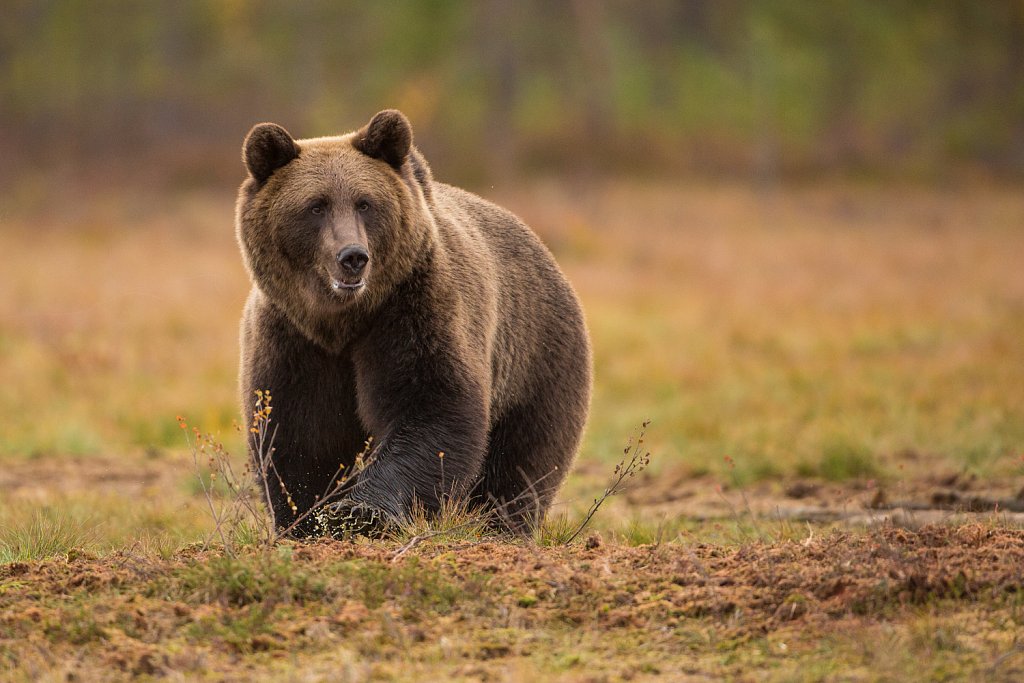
(267, 148)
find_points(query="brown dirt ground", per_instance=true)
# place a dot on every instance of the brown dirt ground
(140, 624)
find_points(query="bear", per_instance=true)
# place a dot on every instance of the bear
(394, 310)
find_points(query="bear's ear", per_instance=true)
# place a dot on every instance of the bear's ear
(388, 137)
(267, 148)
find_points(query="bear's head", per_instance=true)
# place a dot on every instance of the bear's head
(328, 226)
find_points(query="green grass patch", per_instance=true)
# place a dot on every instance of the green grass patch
(842, 458)
(46, 533)
(264, 576)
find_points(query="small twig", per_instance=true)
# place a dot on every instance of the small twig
(638, 461)
(264, 458)
(207, 491)
(998, 662)
(427, 535)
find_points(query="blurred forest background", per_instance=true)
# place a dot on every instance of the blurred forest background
(763, 89)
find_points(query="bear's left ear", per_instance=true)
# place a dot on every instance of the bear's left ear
(267, 148)
(388, 137)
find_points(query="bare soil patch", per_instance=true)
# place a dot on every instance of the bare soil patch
(43, 479)
(944, 497)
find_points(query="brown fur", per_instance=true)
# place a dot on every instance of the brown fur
(462, 337)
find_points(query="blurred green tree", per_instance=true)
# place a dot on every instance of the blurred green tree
(498, 87)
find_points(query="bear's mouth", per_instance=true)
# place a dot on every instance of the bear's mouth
(339, 288)
(343, 292)
(340, 285)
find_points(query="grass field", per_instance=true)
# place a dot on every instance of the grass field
(835, 381)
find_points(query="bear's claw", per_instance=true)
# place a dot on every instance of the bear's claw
(347, 518)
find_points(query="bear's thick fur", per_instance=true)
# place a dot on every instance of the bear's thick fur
(387, 304)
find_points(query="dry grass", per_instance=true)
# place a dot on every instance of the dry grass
(837, 332)
(800, 331)
(113, 324)
(771, 328)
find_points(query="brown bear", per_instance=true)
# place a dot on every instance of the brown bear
(386, 304)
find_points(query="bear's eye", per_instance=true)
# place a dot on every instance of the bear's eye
(317, 208)
(362, 206)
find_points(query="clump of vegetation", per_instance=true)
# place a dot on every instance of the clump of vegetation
(268, 578)
(456, 520)
(842, 458)
(236, 498)
(49, 532)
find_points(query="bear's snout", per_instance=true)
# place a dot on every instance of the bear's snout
(353, 260)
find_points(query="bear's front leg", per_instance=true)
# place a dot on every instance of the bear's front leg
(427, 411)
(436, 453)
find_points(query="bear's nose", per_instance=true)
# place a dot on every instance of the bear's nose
(353, 259)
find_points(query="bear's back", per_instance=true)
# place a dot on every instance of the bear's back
(521, 257)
